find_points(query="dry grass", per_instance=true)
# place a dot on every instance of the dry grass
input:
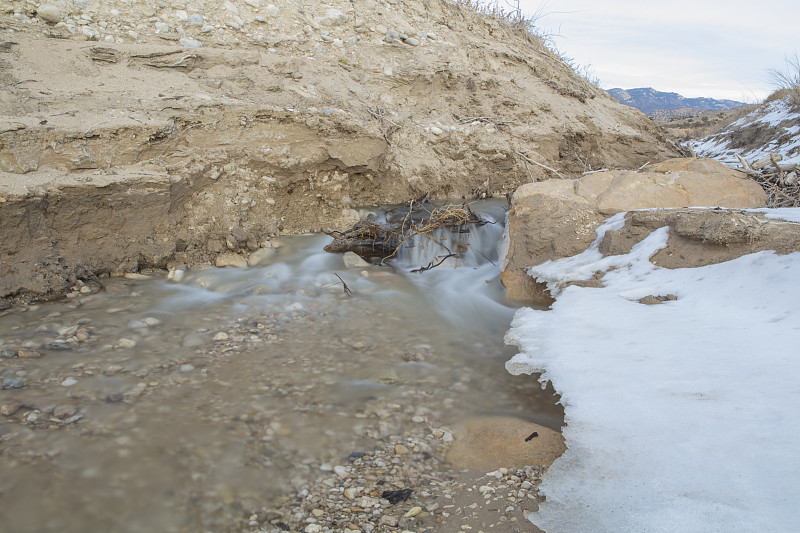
(787, 81)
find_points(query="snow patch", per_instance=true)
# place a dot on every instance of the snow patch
(680, 416)
(778, 115)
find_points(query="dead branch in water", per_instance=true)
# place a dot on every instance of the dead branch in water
(419, 222)
(347, 291)
(431, 265)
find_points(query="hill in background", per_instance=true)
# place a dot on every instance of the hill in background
(665, 106)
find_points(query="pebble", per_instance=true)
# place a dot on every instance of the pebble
(400, 449)
(192, 340)
(186, 367)
(8, 354)
(13, 383)
(196, 20)
(126, 343)
(221, 336)
(28, 353)
(333, 17)
(189, 42)
(230, 259)
(69, 382)
(260, 257)
(8, 409)
(414, 511)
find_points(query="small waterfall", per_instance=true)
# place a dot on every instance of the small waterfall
(469, 245)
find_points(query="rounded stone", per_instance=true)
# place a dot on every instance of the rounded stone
(261, 256)
(490, 443)
(353, 260)
(189, 42)
(49, 13)
(230, 259)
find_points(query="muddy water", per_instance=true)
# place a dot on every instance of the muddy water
(156, 405)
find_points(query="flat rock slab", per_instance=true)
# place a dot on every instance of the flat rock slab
(558, 218)
(491, 443)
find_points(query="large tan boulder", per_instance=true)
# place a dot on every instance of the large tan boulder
(558, 218)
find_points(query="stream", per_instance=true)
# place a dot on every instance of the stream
(164, 405)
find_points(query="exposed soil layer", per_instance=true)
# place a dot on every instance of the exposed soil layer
(143, 150)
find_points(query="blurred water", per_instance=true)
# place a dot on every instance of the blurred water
(200, 398)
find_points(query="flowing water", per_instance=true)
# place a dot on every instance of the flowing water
(156, 405)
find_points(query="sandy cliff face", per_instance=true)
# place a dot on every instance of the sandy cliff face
(198, 128)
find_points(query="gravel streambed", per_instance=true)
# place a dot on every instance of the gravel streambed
(232, 402)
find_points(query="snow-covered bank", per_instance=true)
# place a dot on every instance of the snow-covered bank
(681, 416)
(773, 127)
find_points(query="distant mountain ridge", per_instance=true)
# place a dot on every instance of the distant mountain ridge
(649, 101)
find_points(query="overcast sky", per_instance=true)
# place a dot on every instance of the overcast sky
(714, 48)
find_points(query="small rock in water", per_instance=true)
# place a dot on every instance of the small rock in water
(8, 354)
(187, 368)
(8, 409)
(192, 340)
(69, 382)
(64, 411)
(221, 336)
(126, 343)
(413, 356)
(396, 496)
(400, 449)
(13, 383)
(260, 256)
(28, 353)
(114, 397)
(353, 260)
(414, 511)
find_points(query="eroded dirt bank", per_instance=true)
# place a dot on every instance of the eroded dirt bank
(142, 149)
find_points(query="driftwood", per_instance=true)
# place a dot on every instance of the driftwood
(781, 181)
(403, 227)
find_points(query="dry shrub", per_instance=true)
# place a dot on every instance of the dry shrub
(787, 81)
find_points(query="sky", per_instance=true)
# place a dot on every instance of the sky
(713, 48)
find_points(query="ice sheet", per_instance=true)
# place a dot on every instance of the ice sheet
(683, 416)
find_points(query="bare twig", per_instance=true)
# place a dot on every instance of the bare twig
(347, 291)
(594, 171)
(642, 167)
(743, 162)
(529, 160)
(96, 124)
(431, 265)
